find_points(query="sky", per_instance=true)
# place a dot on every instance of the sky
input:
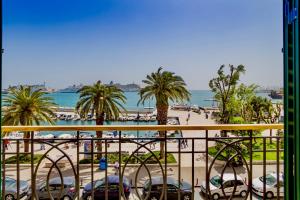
(66, 42)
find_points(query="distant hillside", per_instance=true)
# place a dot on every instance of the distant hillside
(127, 87)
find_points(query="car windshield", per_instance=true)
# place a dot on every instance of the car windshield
(216, 181)
(99, 183)
(270, 180)
(9, 181)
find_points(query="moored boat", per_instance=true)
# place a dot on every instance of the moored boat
(276, 94)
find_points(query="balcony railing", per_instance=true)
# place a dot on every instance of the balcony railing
(247, 163)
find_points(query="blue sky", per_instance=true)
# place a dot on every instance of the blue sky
(64, 42)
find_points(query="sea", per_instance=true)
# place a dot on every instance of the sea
(201, 98)
(198, 97)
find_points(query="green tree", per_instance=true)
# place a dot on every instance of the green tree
(164, 86)
(25, 106)
(224, 88)
(260, 108)
(102, 101)
(244, 95)
(272, 114)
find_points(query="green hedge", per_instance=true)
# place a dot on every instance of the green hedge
(114, 157)
(257, 145)
(23, 159)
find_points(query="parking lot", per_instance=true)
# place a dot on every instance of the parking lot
(130, 173)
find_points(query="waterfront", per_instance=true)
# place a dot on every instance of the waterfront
(92, 122)
(198, 97)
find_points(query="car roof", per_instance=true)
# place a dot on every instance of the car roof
(115, 179)
(67, 180)
(160, 180)
(9, 178)
(230, 176)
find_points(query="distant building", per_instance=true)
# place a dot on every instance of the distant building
(71, 89)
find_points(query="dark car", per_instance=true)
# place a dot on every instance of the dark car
(11, 188)
(154, 189)
(112, 188)
(68, 191)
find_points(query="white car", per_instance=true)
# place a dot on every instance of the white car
(229, 182)
(271, 185)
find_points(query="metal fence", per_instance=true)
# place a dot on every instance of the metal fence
(216, 161)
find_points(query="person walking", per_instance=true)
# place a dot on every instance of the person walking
(116, 166)
(186, 143)
(42, 146)
(6, 143)
(182, 144)
(188, 118)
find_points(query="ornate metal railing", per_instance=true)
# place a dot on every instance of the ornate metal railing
(185, 171)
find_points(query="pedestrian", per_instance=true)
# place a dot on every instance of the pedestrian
(154, 144)
(42, 146)
(188, 117)
(186, 142)
(182, 144)
(80, 141)
(116, 166)
(6, 143)
(150, 145)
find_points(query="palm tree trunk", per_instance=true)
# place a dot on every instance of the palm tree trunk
(162, 118)
(99, 121)
(26, 141)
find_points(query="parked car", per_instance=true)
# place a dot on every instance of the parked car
(11, 188)
(154, 189)
(112, 188)
(271, 185)
(68, 192)
(229, 182)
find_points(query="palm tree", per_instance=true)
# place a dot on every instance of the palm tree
(164, 86)
(101, 101)
(26, 106)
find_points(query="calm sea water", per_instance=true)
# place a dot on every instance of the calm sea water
(79, 122)
(199, 97)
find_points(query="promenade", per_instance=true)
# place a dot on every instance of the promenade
(186, 161)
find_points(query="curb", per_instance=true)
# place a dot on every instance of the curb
(256, 162)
